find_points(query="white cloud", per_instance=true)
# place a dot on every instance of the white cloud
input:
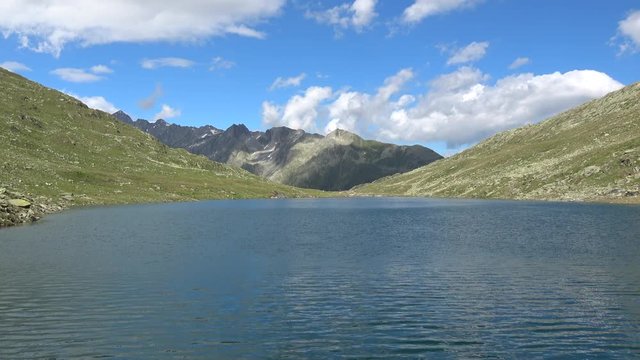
(271, 114)
(364, 11)
(101, 69)
(152, 64)
(301, 112)
(468, 54)
(629, 29)
(167, 112)
(220, 63)
(281, 82)
(150, 101)
(76, 75)
(358, 15)
(422, 9)
(100, 103)
(345, 112)
(96, 102)
(471, 109)
(246, 31)
(349, 110)
(47, 26)
(460, 108)
(464, 77)
(14, 66)
(394, 83)
(519, 62)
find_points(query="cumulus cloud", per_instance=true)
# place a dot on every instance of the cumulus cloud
(220, 63)
(281, 82)
(301, 112)
(349, 110)
(463, 108)
(150, 101)
(519, 62)
(358, 15)
(629, 30)
(459, 108)
(96, 102)
(47, 26)
(345, 112)
(167, 112)
(14, 66)
(468, 54)
(422, 9)
(76, 75)
(152, 64)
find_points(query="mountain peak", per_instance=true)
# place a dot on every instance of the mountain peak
(238, 129)
(342, 135)
(123, 116)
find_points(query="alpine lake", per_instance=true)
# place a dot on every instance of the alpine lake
(321, 279)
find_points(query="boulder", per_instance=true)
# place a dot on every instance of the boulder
(20, 203)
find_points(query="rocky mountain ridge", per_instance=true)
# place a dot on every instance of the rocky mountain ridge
(337, 161)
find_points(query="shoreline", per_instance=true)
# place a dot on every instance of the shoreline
(30, 208)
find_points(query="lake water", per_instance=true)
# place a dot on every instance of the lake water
(318, 279)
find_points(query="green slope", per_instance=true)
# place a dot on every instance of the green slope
(52, 145)
(589, 153)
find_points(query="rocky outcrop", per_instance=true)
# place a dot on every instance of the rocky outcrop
(17, 208)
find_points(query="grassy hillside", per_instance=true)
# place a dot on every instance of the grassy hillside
(589, 153)
(54, 147)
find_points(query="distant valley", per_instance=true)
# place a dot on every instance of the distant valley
(334, 162)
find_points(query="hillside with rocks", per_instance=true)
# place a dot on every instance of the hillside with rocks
(589, 153)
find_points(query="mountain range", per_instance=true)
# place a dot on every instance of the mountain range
(334, 162)
(591, 153)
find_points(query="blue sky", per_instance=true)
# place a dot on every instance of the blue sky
(442, 73)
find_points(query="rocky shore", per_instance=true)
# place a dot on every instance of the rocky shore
(17, 208)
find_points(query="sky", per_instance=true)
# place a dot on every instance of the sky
(441, 73)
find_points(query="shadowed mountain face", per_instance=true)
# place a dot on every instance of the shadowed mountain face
(337, 161)
(591, 152)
